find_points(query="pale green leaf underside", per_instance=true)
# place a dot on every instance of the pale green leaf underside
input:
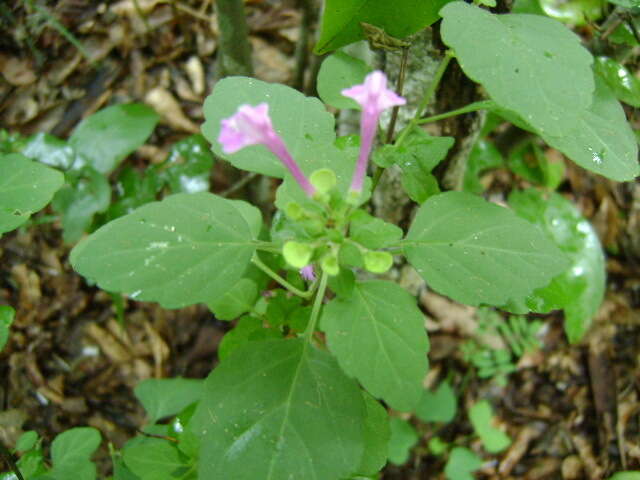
(476, 252)
(529, 64)
(25, 187)
(301, 121)
(162, 397)
(279, 409)
(378, 336)
(189, 248)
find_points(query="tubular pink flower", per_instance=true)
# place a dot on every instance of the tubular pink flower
(252, 126)
(374, 97)
(308, 273)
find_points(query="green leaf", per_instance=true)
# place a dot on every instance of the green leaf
(378, 336)
(49, 150)
(280, 409)
(579, 290)
(438, 406)
(248, 329)
(281, 306)
(493, 439)
(153, 459)
(71, 452)
(626, 3)
(630, 475)
(529, 64)
(377, 434)
(624, 85)
(6, 319)
(302, 122)
(484, 156)
(164, 397)
(238, 300)
(574, 12)
(403, 438)
(477, 252)
(107, 137)
(25, 188)
(462, 462)
(188, 166)
(134, 190)
(530, 162)
(602, 140)
(341, 19)
(372, 232)
(176, 252)
(417, 156)
(27, 441)
(86, 193)
(337, 72)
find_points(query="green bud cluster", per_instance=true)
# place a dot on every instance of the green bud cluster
(325, 227)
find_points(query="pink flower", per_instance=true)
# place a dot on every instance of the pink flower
(252, 126)
(307, 273)
(374, 97)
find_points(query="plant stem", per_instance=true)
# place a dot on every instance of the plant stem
(427, 97)
(234, 47)
(472, 107)
(315, 310)
(296, 291)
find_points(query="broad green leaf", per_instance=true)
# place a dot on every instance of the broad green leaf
(477, 252)
(437, 406)
(164, 397)
(579, 290)
(341, 19)
(11, 142)
(236, 301)
(626, 3)
(86, 193)
(176, 252)
(248, 329)
(71, 452)
(337, 72)
(493, 439)
(372, 232)
(32, 465)
(376, 437)
(6, 319)
(301, 121)
(280, 409)
(25, 187)
(601, 139)
(107, 137)
(484, 156)
(188, 166)
(49, 150)
(154, 459)
(462, 462)
(529, 64)
(403, 438)
(624, 85)
(378, 336)
(624, 34)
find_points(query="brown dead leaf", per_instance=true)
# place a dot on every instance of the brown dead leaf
(451, 316)
(271, 65)
(16, 71)
(161, 100)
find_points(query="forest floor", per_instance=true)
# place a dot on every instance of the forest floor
(572, 411)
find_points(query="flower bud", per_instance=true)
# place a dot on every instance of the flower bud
(297, 254)
(378, 262)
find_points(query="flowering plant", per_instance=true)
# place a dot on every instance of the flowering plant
(319, 342)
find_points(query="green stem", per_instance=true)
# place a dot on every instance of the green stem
(427, 97)
(296, 291)
(315, 310)
(472, 107)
